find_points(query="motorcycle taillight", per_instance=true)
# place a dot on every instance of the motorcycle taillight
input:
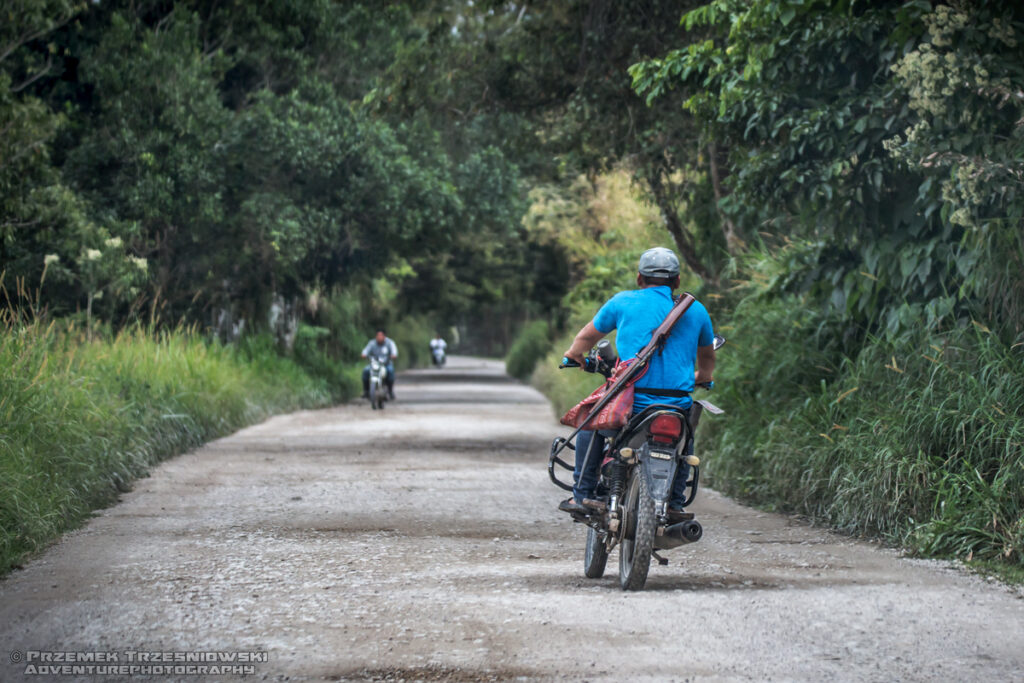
(666, 428)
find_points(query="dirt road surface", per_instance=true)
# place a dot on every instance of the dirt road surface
(422, 543)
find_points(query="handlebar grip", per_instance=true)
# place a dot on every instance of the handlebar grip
(707, 385)
(568, 363)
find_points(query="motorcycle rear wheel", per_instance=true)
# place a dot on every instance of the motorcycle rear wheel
(376, 396)
(595, 558)
(638, 537)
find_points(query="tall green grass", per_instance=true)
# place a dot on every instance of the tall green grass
(82, 419)
(919, 440)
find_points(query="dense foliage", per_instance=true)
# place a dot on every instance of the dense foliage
(208, 162)
(842, 178)
(875, 148)
(884, 137)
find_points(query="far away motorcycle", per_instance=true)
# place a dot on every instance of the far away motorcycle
(639, 467)
(378, 384)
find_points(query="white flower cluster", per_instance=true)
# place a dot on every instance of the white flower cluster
(952, 82)
(1003, 32)
(943, 24)
(964, 189)
(935, 72)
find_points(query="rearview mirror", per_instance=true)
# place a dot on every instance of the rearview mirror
(719, 342)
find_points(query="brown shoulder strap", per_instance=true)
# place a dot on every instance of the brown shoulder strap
(660, 334)
(635, 369)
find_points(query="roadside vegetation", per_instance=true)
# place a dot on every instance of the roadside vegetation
(841, 179)
(868, 263)
(83, 418)
(916, 437)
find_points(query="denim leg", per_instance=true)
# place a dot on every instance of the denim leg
(682, 475)
(366, 379)
(586, 482)
(391, 376)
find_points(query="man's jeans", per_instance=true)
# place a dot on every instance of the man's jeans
(390, 379)
(586, 482)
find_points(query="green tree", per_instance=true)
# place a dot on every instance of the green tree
(806, 96)
(548, 84)
(150, 158)
(39, 215)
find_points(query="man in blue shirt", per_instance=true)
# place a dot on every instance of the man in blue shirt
(670, 376)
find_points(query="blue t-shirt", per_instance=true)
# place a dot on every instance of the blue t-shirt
(636, 314)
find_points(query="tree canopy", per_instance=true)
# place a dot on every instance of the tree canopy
(218, 157)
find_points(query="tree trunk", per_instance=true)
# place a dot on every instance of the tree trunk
(684, 243)
(733, 242)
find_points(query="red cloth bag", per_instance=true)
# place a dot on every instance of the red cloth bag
(616, 413)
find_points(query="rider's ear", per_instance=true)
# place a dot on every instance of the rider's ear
(639, 280)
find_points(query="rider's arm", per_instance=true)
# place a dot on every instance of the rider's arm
(705, 364)
(583, 342)
(607, 317)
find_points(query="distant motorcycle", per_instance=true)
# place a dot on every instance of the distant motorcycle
(378, 384)
(438, 356)
(640, 465)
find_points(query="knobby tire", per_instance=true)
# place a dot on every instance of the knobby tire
(635, 552)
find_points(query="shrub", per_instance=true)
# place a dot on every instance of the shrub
(412, 335)
(317, 353)
(532, 343)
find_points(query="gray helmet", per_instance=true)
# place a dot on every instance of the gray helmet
(658, 262)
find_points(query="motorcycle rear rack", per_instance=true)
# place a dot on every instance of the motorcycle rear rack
(694, 483)
(557, 446)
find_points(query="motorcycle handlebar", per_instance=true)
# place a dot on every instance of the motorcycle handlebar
(568, 363)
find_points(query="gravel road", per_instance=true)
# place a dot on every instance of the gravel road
(422, 543)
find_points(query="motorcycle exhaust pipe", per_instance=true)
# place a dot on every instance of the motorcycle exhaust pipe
(689, 531)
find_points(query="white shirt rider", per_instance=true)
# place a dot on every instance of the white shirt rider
(382, 348)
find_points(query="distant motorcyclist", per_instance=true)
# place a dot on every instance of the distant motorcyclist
(384, 350)
(438, 347)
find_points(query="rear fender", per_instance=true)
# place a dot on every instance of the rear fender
(659, 468)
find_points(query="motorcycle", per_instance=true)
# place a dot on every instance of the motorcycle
(639, 468)
(438, 356)
(378, 384)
